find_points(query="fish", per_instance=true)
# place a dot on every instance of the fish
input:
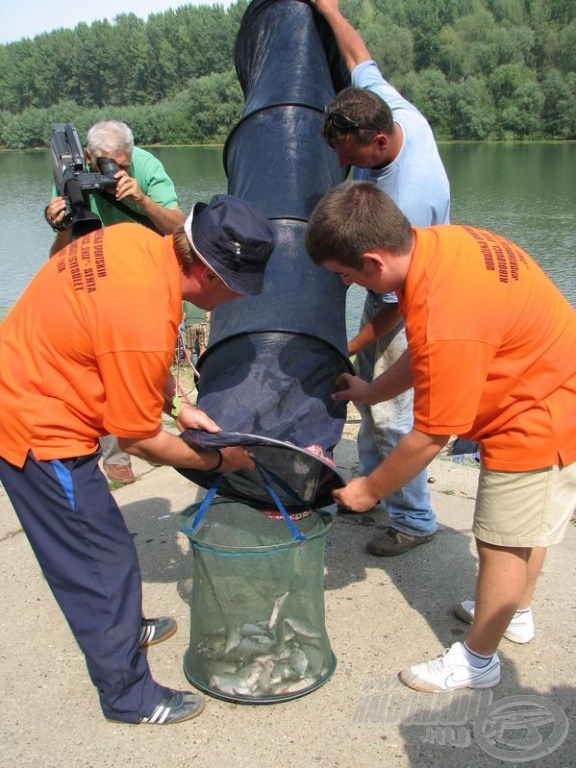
(293, 686)
(298, 661)
(278, 657)
(315, 660)
(230, 684)
(300, 466)
(211, 646)
(250, 674)
(232, 640)
(253, 646)
(303, 628)
(219, 667)
(265, 678)
(278, 603)
(247, 630)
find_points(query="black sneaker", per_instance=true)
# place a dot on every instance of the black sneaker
(154, 631)
(174, 707)
(392, 542)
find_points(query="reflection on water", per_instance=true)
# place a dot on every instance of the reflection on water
(525, 192)
(25, 184)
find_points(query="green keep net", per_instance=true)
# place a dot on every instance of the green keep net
(257, 631)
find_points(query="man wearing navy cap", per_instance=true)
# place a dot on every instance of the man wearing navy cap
(109, 306)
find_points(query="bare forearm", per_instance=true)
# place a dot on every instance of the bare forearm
(410, 457)
(165, 219)
(169, 449)
(350, 44)
(393, 382)
(384, 321)
(363, 339)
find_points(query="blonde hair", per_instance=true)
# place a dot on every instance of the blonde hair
(185, 254)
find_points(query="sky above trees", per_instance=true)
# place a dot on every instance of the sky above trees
(42, 16)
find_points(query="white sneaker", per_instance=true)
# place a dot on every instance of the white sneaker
(450, 672)
(520, 629)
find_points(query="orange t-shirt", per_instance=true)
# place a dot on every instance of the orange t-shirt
(86, 349)
(493, 349)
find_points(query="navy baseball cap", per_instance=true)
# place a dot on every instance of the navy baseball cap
(234, 239)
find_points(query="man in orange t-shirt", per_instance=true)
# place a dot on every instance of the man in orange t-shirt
(86, 351)
(492, 358)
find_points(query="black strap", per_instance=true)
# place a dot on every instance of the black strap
(139, 218)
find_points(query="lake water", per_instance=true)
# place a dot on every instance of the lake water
(526, 192)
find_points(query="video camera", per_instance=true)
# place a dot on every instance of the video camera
(74, 183)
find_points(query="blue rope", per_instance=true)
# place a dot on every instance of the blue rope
(284, 487)
(287, 519)
(203, 506)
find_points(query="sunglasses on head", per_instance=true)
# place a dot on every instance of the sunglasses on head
(344, 123)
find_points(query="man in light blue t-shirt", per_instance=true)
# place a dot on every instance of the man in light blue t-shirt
(389, 142)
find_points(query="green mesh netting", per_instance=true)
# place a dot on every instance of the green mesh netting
(257, 631)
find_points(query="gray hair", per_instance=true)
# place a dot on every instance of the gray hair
(111, 137)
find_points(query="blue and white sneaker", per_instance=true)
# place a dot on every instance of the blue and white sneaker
(175, 707)
(155, 631)
(450, 672)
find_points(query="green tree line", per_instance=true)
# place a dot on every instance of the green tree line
(478, 69)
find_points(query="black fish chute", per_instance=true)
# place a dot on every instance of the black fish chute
(269, 371)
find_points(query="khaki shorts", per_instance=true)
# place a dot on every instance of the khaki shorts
(524, 509)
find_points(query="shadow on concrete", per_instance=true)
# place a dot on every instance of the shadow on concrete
(485, 728)
(164, 553)
(431, 578)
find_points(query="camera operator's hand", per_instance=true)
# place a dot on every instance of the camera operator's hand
(165, 219)
(54, 214)
(55, 211)
(128, 189)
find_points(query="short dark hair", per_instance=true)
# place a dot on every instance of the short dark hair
(363, 107)
(353, 218)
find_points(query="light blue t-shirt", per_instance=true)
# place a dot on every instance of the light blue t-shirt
(416, 180)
